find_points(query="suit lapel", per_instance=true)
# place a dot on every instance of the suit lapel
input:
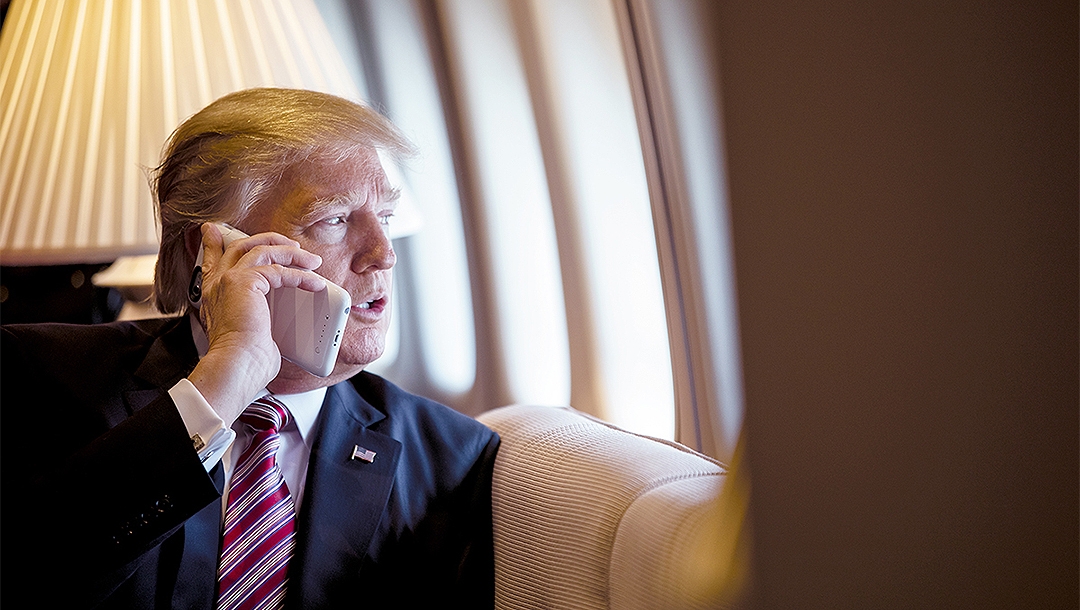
(344, 498)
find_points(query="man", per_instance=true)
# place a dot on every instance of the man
(118, 462)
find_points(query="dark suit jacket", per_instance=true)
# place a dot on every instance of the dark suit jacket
(105, 502)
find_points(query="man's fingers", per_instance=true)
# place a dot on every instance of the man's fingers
(267, 277)
(282, 277)
(256, 264)
(272, 255)
(260, 249)
(277, 254)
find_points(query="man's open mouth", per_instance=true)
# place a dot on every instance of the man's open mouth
(374, 305)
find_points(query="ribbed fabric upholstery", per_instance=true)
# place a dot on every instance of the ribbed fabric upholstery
(667, 552)
(582, 507)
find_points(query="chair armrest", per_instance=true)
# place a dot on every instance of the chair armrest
(587, 515)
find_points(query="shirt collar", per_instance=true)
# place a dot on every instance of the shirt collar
(304, 408)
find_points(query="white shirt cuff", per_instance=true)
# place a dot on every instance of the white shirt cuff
(210, 436)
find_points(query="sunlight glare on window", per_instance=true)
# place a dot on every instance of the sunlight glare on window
(588, 80)
(528, 287)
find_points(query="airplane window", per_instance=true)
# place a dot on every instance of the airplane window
(695, 81)
(594, 135)
(515, 209)
(676, 90)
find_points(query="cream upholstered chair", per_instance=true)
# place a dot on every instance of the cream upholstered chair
(590, 516)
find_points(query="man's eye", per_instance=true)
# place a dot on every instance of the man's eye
(385, 219)
(336, 220)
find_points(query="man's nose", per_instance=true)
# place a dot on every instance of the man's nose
(375, 250)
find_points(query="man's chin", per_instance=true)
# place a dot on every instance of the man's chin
(360, 351)
(352, 358)
(294, 379)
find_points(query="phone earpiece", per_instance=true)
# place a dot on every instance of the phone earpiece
(195, 286)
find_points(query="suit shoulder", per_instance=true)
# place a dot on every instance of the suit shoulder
(79, 353)
(423, 415)
(440, 448)
(54, 335)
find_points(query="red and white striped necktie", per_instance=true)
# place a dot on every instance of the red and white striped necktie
(260, 518)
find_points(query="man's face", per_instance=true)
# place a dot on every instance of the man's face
(341, 210)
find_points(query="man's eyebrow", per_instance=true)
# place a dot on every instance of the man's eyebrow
(390, 194)
(317, 208)
(386, 192)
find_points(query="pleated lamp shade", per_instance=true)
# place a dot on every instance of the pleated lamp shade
(92, 89)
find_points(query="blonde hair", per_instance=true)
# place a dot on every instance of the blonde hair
(220, 163)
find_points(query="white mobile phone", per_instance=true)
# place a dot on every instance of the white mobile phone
(307, 326)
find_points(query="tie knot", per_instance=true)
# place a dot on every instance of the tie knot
(266, 413)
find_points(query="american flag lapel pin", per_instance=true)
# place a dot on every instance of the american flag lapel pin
(364, 455)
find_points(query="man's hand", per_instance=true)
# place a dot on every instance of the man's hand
(242, 357)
